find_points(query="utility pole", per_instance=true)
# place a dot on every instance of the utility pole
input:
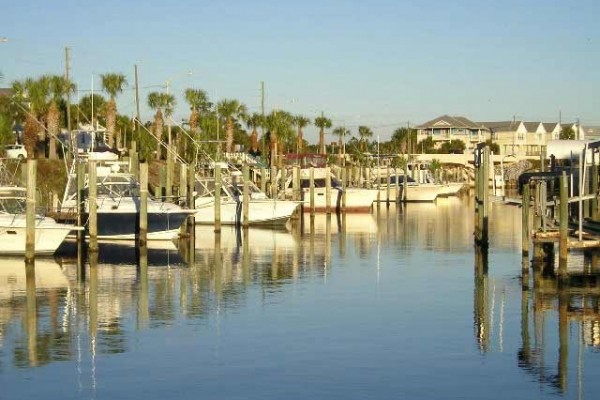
(137, 104)
(262, 111)
(68, 92)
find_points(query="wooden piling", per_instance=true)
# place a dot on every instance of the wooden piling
(344, 187)
(162, 177)
(246, 197)
(263, 180)
(143, 220)
(296, 183)
(169, 174)
(217, 198)
(183, 183)
(30, 212)
(274, 188)
(312, 191)
(387, 189)
(594, 188)
(92, 206)
(405, 183)
(525, 231)
(564, 224)
(191, 220)
(327, 191)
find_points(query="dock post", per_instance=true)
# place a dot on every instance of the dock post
(327, 190)
(525, 232)
(169, 174)
(387, 190)
(378, 186)
(143, 222)
(263, 180)
(485, 196)
(80, 198)
(30, 212)
(191, 220)
(564, 224)
(405, 182)
(134, 164)
(594, 188)
(312, 190)
(274, 188)
(92, 206)
(396, 186)
(344, 187)
(296, 182)
(246, 197)
(162, 178)
(217, 198)
(183, 184)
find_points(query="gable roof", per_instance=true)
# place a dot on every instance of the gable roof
(501, 126)
(531, 126)
(549, 126)
(450, 122)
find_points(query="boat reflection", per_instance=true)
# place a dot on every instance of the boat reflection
(573, 301)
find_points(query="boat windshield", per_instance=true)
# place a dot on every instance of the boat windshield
(12, 201)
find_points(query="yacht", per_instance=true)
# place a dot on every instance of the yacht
(262, 211)
(49, 234)
(118, 205)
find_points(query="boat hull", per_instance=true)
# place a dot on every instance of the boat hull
(48, 235)
(357, 199)
(261, 212)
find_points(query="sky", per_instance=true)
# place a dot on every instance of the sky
(379, 63)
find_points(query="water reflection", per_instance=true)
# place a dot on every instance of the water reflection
(79, 308)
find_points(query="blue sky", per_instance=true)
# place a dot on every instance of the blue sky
(378, 63)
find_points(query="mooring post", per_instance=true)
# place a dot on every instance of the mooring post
(169, 174)
(405, 182)
(312, 190)
(525, 231)
(327, 190)
(378, 177)
(396, 186)
(30, 212)
(191, 220)
(594, 188)
(183, 183)
(485, 196)
(143, 222)
(274, 188)
(388, 184)
(92, 206)
(263, 180)
(162, 178)
(564, 224)
(296, 182)
(217, 198)
(246, 197)
(344, 187)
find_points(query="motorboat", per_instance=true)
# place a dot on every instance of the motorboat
(357, 199)
(118, 205)
(415, 191)
(49, 234)
(262, 211)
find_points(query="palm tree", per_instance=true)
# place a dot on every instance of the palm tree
(341, 133)
(279, 125)
(254, 122)
(59, 87)
(231, 110)
(301, 122)
(112, 84)
(364, 132)
(36, 92)
(199, 104)
(322, 123)
(155, 102)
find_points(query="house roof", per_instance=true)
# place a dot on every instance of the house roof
(446, 121)
(531, 126)
(5, 92)
(501, 126)
(549, 126)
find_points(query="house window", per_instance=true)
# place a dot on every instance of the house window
(520, 136)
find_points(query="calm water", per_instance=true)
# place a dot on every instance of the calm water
(388, 305)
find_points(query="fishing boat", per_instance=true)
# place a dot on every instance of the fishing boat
(357, 199)
(118, 205)
(49, 234)
(262, 211)
(425, 192)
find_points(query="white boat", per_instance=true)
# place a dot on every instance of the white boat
(357, 199)
(415, 191)
(261, 211)
(48, 233)
(118, 205)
